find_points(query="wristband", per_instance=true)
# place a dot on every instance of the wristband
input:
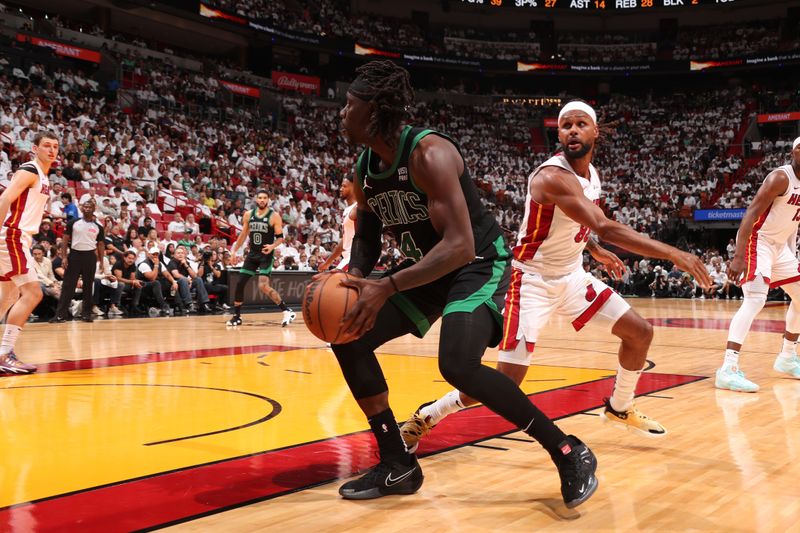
(391, 280)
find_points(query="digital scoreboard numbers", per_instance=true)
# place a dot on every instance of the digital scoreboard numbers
(598, 5)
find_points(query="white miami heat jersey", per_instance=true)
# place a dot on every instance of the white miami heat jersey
(778, 224)
(26, 211)
(550, 243)
(348, 231)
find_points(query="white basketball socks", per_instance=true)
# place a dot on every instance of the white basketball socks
(789, 349)
(731, 359)
(624, 389)
(9, 339)
(447, 404)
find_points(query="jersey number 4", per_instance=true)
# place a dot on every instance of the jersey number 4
(409, 247)
(583, 234)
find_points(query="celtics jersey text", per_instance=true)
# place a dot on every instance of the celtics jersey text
(261, 232)
(403, 208)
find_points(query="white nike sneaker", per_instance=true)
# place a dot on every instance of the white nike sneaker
(288, 317)
(731, 378)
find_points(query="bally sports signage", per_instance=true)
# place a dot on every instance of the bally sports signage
(295, 82)
(779, 117)
(62, 49)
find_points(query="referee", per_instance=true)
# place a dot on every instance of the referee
(84, 237)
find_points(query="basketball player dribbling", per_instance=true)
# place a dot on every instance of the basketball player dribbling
(348, 229)
(263, 228)
(22, 206)
(414, 183)
(548, 277)
(766, 256)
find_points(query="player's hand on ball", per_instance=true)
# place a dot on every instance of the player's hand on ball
(372, 294)
(691, 264)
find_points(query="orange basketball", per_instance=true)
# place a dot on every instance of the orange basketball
(325, 303)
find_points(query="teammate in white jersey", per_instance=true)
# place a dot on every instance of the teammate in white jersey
(21, 208)
(548, 276)
(766, 257)
(348, 229)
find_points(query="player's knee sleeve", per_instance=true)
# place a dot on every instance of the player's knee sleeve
(462, 342)
(520, 355)
(360, 369)
(238, 294)
(755, 296)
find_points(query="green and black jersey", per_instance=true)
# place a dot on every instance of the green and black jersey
(261, 233)
(403, 208)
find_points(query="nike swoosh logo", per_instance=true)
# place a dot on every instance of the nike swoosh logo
(390, 481)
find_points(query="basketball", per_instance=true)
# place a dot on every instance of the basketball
(325, 302)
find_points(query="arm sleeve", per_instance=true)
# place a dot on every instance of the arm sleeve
(366, 247)
(71, 223)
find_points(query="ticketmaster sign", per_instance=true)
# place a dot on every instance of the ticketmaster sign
(710, 215)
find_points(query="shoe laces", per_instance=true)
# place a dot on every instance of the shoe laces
(573, 468)
(378, 472)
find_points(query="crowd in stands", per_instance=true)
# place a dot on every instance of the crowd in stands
(731, 41)
(664, 156)
(335, 18)
(740, 193)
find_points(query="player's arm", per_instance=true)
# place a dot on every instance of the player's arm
(366, 248)
(337, 251)
(21, 180)
(613, 265)
(243, 235)
(556, 186)
(435, 167)
(775, 185)
(277, 225)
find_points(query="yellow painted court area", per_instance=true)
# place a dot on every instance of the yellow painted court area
(84, 428)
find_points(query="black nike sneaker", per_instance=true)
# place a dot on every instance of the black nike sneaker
(384, 479)
(576, 468)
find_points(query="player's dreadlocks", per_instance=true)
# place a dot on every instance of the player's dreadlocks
(388, 86)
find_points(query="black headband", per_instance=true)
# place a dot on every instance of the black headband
(361, 89)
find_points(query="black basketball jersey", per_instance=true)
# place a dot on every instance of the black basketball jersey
(261, 232)
(403, 208)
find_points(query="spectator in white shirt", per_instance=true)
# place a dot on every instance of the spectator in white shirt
(177, 225)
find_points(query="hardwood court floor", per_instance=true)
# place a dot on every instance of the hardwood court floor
(138, 424)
